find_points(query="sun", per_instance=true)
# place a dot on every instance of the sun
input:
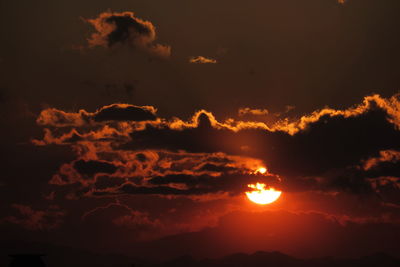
(261, 195)
(262, 170)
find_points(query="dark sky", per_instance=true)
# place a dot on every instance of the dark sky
(135, 126)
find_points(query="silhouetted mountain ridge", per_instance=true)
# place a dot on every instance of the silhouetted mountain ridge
(63, 256)
(277, 259)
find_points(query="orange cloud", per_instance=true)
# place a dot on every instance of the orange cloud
(390, 105)
(258, 112)
(384, 156)
(180, 157)
(114, 112)
(129, 117)
(202, 60)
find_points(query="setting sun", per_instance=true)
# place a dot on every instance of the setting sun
(262, 170)
(261, 195)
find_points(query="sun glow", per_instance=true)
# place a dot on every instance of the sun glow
(261, 195)
(262, 170)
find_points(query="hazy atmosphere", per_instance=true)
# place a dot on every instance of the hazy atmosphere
(143, 131)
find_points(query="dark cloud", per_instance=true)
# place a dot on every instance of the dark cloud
(155, 190)
(386, 164)
(115, 112)
(119, 112)
(383, 175)
(38, 220)
(328, 143)
(387, 169)
(201, 138)
(233, 183)
(104, 182)
(126, 29)
(335, 142)
(191, 185)
(323, 151)
(92, 167)
(141, 157)
(157, 172)
(216, 168)
(126, 25)
(328, 146)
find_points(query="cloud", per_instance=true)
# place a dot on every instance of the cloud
(124, 28)
(324, 142)
(302, 234)
(161, 173)
(181, 184)
(84, 172)
(37, 220)
(121, 112)
(327, 150)
(386, 157)
(106, 182)
(383, 174)
(115, 112)
(249, 111)
(202, 60)
(137, 220)
(92, 167)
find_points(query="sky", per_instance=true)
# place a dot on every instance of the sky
(135, 127)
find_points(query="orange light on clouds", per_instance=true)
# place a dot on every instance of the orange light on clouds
(262, 170)
(261, 195)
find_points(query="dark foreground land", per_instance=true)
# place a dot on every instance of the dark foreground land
(58, 256)
(277, 259)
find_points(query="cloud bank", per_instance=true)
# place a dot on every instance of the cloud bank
(124, 149)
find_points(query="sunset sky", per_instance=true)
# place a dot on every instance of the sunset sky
(136, 126)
